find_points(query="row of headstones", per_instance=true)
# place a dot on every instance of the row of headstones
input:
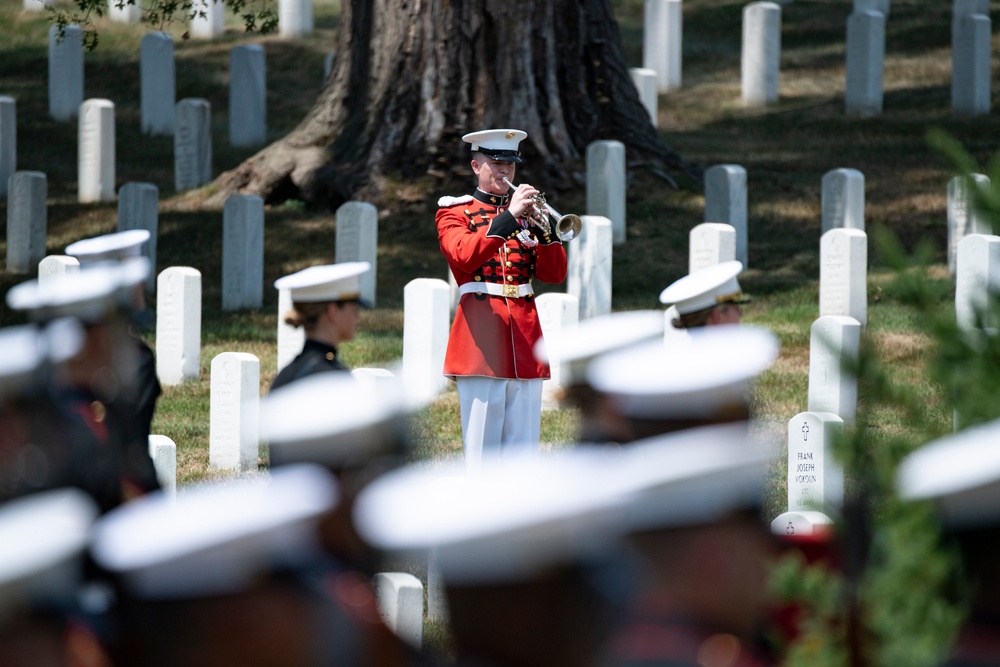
(242, 243)
(158, 106)
(295, 17)
(815, 480)
(400, 595)
(865, 53)
(842, 204)
(96, 146)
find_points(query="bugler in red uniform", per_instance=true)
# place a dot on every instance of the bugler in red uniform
(487, 249)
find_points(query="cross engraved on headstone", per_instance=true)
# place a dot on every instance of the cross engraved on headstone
(805, 432)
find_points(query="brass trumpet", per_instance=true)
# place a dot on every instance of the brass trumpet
(567, 226)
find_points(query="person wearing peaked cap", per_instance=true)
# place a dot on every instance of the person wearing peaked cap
(494, 250)
(526, 549)
(707, 297)
(325, 303)
(41, 568)
(698, 380)
(703, 549)
(92, 388)
(231, 573)
(33, 451)
(363, 436)
(577, 347)
(960, 475)
(126, 247)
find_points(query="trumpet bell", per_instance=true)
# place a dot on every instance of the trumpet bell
(568, 227)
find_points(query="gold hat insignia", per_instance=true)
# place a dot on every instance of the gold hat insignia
(509, 135)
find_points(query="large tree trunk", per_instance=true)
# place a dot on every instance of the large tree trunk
(412, 76)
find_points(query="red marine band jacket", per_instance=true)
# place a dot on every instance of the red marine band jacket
(494, 258)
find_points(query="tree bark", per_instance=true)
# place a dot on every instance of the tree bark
(412, 76)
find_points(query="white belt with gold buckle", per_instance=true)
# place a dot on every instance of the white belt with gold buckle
(496, 289)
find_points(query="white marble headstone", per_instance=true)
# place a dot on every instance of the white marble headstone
(96, 174)
(138, 208)
(645, 83)
(971, 52)
(157, 83)
(54, 267)
(426, 328)
(290, 339)
(27, 220)
(127, 13)
(843, 199)
(178, 325)
(761, 56)
(815, 478)
(964, 217)
(843, 274)
(247, 96)
(805, 523)
(556, 313)
(710, 243)
(400, 598)
(589, 274)
(8, 141)
(662, 43)
(295, 18)
(163, 451)
(210, 18)
(242, 252)
(357, 241)
(865, 58)
(65, 72)
(233, 438)
(192, 143)
(977, 276)
(833, 341)
(606, 185)
(726, 202)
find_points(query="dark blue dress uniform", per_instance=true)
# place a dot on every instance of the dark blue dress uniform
(316, 357)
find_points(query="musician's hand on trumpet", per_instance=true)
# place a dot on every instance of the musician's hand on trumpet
(524, 204)
(539, 211)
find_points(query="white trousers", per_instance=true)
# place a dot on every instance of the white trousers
(500, 418)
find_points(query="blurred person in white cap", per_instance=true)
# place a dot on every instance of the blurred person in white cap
(92, 387)
(325, 302)
(366, 434)
(231, 573)
(707, 297)
(43, 538)
(34, 452)
(527, 552)
(704, 378)
(575, 349)
(126, 246)
(960, 475)
(703, 550)
(495, 247)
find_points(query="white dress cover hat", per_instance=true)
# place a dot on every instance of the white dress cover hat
(326, 282)
(705, 288)
(501, 145)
